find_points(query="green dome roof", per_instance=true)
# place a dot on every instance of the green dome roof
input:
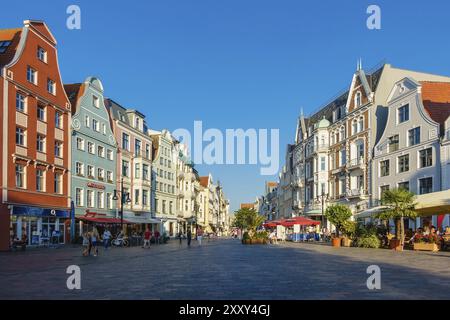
(324, 123)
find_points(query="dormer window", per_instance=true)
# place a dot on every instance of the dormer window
(42, 54)
(136, 123)
(358, 100)
(4, 45)
(95, 102)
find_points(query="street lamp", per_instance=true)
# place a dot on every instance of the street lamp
(124, 197)
(323, 197)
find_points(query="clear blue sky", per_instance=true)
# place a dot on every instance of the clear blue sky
(234, 63)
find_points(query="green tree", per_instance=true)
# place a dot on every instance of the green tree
(399, 204)
(338, 214)
(247, 220)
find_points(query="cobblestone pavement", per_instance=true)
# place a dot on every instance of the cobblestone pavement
(225, 269)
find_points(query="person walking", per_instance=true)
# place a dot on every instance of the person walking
(157, 234)
(180, 236)
(189, 238)
(86, 244)
(106, 238)
(94, 239)
(199, 236)
(147, 237)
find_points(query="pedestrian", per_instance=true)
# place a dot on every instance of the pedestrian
(106, 238)
(86, 244)
(147, 237)
(199, 236)
(94, 238)
(157, 234)
(180, 236)
(189, 237)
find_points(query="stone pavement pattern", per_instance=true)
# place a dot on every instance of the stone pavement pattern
(225, 269)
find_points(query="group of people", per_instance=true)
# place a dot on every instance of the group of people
(189, 236)
(427, 231)
(90, 241)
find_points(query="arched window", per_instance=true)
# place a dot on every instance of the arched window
(358, 99)
(355, 126)
(342, 133)
(361, 124)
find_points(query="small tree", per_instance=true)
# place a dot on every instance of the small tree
(400, 204)
(338, 214)
(247, 220)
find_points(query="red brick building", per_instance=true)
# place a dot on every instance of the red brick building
(35, 137)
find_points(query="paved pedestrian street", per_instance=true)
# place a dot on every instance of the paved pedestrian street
(225, 269)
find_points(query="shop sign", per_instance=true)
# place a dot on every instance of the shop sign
(96, 185)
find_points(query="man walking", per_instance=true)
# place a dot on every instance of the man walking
(199, 236)
(147, 237)
(106, 237)
(189, 238)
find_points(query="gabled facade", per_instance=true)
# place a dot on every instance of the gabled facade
(35, 117)
(94, 151)
(134, 163)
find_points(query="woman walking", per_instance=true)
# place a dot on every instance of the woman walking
(94, 238)
(86, 244)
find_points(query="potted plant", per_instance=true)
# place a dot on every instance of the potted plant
(248, 220)
(337, 214)
(366, 236)
(399, 204)
(427, 243)
(349, 231)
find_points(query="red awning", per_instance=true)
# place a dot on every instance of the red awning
(102, 220)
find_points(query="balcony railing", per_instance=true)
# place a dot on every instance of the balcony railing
(354, 163)
(355, 193)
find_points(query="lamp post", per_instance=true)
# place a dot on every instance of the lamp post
(323, 197)
(124, 197)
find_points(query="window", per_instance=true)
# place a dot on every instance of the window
(40, 182)
(426, 158)
(414, 136)
(343, 157)
(360, 149)
(40, 143)
(42, 54)
(384, 168)
(58, 149)
(355, 126)
(383, 189)
(361, 124)
(137, 147)
(360, 182)
(425, 185)
(404, 185)
(164, 206)
(137, 170)
(358, 99)
(20, 176)
(58, 120)
(31, 75)
(109, 176)
(403, 163)
(90, 171)
(161, 161)
(147, 151)
(403, 113)
(79, 169)
(101, 151)
(90, 147)
(95, 102)
(58, 183)
(125, 141)
(51, 86)
(393, 143)
(104, 128)
(80, 144)
(86, 121)
(342, 134)
(95, 125)
(4, 45)
(169, 164)
(109, 200)
(145, 175)
(41, 113)
(109, 154)
(20, 136)
(125, 168)
(145, 197)
(79, 197)
(20, 102)
(100, 174)
(136, 196)
(322, 163)
(100, 199)
(90, 198)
